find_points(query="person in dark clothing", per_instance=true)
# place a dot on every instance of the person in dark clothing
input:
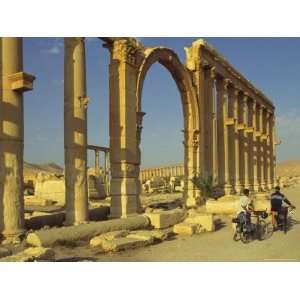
(278, 205)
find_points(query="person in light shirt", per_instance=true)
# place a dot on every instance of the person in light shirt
(245, 206)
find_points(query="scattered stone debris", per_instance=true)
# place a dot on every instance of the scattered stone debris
(31, 254)
(186, 228)
(109, 236)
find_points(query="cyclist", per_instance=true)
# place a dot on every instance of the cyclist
(245, 207)
(278, 206)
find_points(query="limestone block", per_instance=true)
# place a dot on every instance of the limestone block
(185, 228)
(159, 235)
(222, 206)
(109, 236)
(165, 219)
(31, 254)
(4, 252)
(34, 200)
(51, 189)
(206, 221)
(123, 244)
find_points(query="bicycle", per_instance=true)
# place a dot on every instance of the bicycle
(283, 218)
(247, 231)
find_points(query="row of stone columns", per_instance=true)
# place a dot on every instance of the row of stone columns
(245, 137)
(167, 171)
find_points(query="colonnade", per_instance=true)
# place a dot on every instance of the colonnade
(167, 171)
(238, 123)
(228, 126)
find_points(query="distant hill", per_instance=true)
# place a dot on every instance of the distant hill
(288, 168)
(30, 170)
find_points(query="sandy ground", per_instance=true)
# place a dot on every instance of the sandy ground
(216, 246)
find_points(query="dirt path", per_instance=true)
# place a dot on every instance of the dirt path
(216, 246)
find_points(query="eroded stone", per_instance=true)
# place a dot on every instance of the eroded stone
(165, 219)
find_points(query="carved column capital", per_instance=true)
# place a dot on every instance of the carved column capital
(126, 50)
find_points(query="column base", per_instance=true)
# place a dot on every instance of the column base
(228, 189)
(238, 188)
(13, 237)
(263, 186)
(192, 202)
(256, 187)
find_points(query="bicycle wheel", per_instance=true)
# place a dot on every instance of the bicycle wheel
(236, 236)
(264, 230)
(245, 237)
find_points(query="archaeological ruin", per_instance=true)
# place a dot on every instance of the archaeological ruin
(228, 130)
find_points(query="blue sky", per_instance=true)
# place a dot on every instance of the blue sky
(271, 64)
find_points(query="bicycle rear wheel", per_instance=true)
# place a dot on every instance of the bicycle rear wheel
(245, 237)
(264, 230)
(236, 236)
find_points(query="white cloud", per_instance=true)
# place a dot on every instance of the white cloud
(56, 48)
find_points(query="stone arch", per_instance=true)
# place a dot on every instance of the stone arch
(183, 79)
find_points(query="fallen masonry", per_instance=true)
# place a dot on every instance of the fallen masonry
(106, 240)
(124, 244)
(53, 236)
(97, 240)
(164, 219)
(31, 254)
(204, 220)
(186, 228)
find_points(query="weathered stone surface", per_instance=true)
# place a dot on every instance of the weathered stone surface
(52, 236)
(109, 236)
(123, 244)
(31, 254)
(230, 204)
(33, 201)
(4, 252)
(186, 228)
(165, 219)
(142, 235)
(206, 221)
(51, 189)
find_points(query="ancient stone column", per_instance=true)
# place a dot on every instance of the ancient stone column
(13, 82)
(75, 125)
(123, 70)
(231, 124)
(268, 146)
(272, 152)
(209, 122)
(191, 144)
(263, 158)
(255, 147)
(250, 139)
(259, 146)
(97, 163)
(223, 135)
(237, 157)
(244, 141)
